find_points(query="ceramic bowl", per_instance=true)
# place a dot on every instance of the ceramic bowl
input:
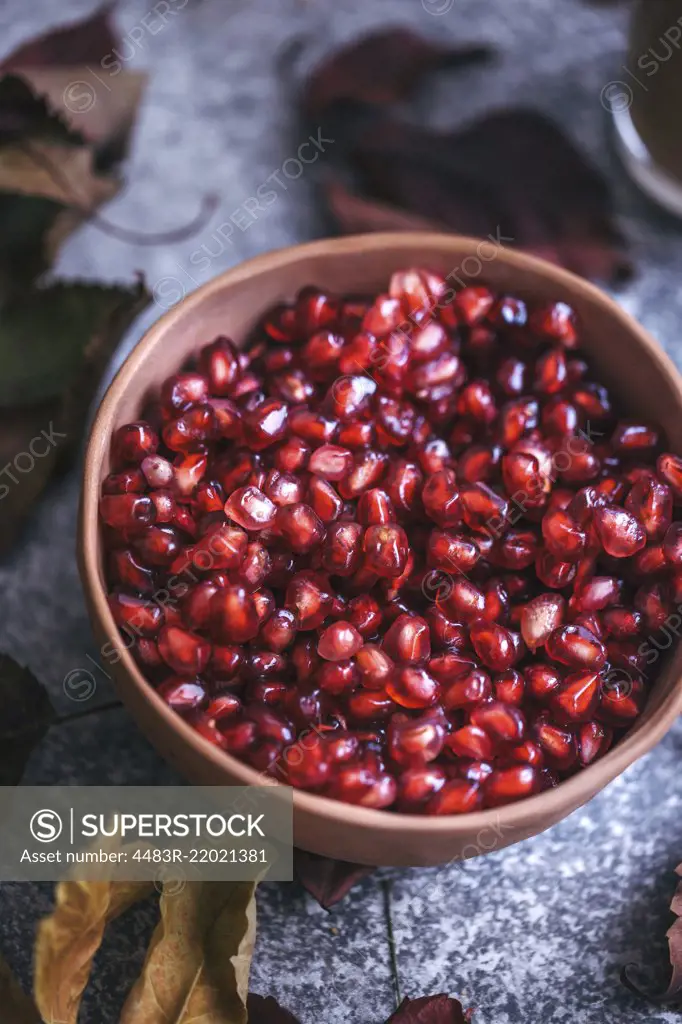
(626, 357)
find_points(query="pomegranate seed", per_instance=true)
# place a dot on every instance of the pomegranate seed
(575, 645)
(340, 640)
(376, 505)
(408, 640)
(540, 617)
(132, 443)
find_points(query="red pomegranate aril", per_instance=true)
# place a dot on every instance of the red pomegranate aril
(652, 504)
(339, 641)
(413, 687)
(505, 785)
(183, 695)
(385, 549)
(130, 572)
(250, 508)
(669, 468)
(620, 533)
(234, 618)
(593, 740)
(126, 482)
(185, 652)
(541, 681)
(417, 785)
(300, 527)
(576, 699)
(540, 617)
(130, 512)
(494, 645)
(556, 742)
(563, 537)
(132, 443)
(415, 741)
(375, 508)
(183, 390)
(575, 645)
(441, 499)
(408, 640)
(378, 504)
(136, 615)
(471, 741)
(331, 462)
(505, 723)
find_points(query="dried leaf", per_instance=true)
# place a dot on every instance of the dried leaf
(24, 114)
(381, 68)
(327, 880)
(27, 714)
(266, 1010)
(197, 965)
(75, 329)
(17, 1008)
(76, 43)
(439, 1009)
(61, 173)
(673, 993)
(513, 172)
(69, 938)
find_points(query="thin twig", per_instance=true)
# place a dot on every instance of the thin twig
(387, 891)
(109, 706)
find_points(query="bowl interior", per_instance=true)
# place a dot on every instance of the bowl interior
(625, 357)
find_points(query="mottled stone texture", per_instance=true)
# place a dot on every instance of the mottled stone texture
(534, 933)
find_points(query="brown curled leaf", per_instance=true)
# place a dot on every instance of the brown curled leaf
(69, 938)
(673, 993)
(381, 68)
(197, 965)
(327, 880)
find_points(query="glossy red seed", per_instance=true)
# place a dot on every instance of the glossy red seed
(131, 512)
(651, 502)
(593, 740)
(557, 743)
(375, 508)
(540, 617)
(185, 652)
(452, 551)
(494, 645)
(331, 462)
(440, 497)
(340, 640)
(413, 687)
(507, 784)
(620, 533)
(575, 645)
(182, 695)
(135, 615)
(309, 597)
(415, 741)
(576, 699)
(503, 722)
(408, 640)
(471, 741)
(385, 549)
(541, 681)
(234, 618)
(250, 508)
(300, 527)
(563, 537)
(132, 443)
(669, 468)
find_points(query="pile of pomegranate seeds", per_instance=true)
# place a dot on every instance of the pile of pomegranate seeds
(399, 551)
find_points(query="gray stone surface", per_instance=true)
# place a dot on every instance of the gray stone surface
(537, 932)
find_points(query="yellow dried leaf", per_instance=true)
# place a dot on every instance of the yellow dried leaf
(197, 966)
(69, 938)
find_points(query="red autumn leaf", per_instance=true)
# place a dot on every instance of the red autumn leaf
(673, 993)
(266, 1010)
(381, 68)
(439, 1009)
(326, 879)
(513, 172)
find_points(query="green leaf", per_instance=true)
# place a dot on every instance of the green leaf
(44, 335)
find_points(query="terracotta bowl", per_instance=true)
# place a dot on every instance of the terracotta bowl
(628, 359)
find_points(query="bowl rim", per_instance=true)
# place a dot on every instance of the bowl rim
(550, 805)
